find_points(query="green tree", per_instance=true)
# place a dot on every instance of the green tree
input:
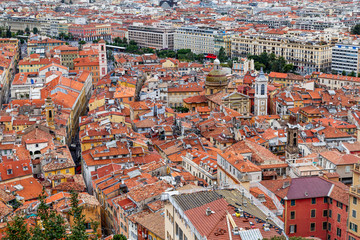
(352, 74)
(356, 29)
(95, 41)
(288, 68)
(119, 237)
(35, 30)
(78, 230)
(8, 33)
(51, 225)
(20, 32)
(17, 230)
(27, 30)
(82, 42)
(222, 55)
(343, 73)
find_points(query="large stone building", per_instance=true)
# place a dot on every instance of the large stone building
(306, 56)
(152, 37)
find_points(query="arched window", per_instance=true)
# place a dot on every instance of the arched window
(262, 89)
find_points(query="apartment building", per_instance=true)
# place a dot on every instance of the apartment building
(199, 40)
(354, 206)
(346, 58)
(152, 37)
(307, 56)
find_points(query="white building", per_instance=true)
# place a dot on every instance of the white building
(346, 58)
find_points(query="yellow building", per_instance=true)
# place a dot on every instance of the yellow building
(34, 63)
(57, 161)
(354, 206)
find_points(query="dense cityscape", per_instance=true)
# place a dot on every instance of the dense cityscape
(179, 120)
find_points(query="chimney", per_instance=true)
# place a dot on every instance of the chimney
(208, 212)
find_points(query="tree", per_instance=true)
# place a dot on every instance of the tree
(35, 30)
(95, 41)
(20, 32)
(51, 223)
(352, 74)
(17, 230)
(8, 33)
(288, 68)
(343, 73)
(222, 55)
(356, 29)
(82, 42)
(27, 30)
(119, 237)
(78, 230)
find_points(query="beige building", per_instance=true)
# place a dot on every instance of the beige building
(177, 93)
(152, 37)
(307, 56)
(199, 40)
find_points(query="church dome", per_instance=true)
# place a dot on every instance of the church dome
(217, 75)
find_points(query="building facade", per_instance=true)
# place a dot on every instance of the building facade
(152, 37)
(199, 40)
(306, 56)
(345, 58)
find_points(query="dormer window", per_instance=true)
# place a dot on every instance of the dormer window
(9, 171)
(37, 145)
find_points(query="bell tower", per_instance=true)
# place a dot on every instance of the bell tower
(292, 147)
(261, 97)
(102, 58)
(49, 112)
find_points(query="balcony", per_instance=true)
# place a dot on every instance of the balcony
(355, 190)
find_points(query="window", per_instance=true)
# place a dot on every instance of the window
(339, 204)
(312, 227)
(324, 225)
(347, 169)
(353, 227)
(339, 218)
(325, 200)
(329, 226)
(330, 213)
(353, 213)
(338, 232)
(313, 201)
(330, 200)
(67, 170)
(313, 213)
(292, 215)
(262, 89)
(292, 203)
(325, 213)
(354, 200)
(292, 228)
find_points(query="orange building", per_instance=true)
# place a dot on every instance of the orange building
(88, 64)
